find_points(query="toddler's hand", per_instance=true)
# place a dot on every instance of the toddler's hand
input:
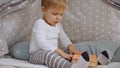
(63, 54)
(73, 50)
(66, 56)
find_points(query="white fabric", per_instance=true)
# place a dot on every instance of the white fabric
(45, 36)
(81, 63)
(15, 63)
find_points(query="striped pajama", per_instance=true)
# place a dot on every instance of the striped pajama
(49, 58)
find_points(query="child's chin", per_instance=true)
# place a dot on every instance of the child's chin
(55, 23)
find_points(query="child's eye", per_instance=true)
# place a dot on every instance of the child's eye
(54, 13)
(61, 14)
(57, 14)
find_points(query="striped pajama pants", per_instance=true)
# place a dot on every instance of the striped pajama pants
(49, 58)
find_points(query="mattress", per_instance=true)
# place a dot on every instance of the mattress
(15, 63)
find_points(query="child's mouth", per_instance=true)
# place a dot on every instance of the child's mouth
(56, 22)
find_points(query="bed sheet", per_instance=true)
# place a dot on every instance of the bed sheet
(15, 63)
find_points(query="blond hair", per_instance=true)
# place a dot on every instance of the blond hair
(57, 4)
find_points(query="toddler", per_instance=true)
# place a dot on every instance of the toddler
(44, 41)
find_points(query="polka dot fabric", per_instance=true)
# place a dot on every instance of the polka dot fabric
(87, 20)
(3, 44)
(17, 25)
(84, 20)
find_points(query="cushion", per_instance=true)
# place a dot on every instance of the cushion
(117, 55)
(20, 50)
(95, 47)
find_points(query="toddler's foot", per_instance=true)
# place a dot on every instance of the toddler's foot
(103, 58)
(82, 62)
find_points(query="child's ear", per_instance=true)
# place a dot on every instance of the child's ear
(42, 8)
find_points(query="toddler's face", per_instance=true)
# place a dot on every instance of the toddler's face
(53, 16)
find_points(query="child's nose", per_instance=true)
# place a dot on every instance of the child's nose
(59, 17)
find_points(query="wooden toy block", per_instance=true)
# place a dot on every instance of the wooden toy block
(93, 60)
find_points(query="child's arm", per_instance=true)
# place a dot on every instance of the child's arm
(66, 41)
(72, 49)
(63, 54)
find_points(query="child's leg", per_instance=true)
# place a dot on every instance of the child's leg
(105, 57)
(82, 62)
(50, 59)
(53, 60)
(96, 47)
